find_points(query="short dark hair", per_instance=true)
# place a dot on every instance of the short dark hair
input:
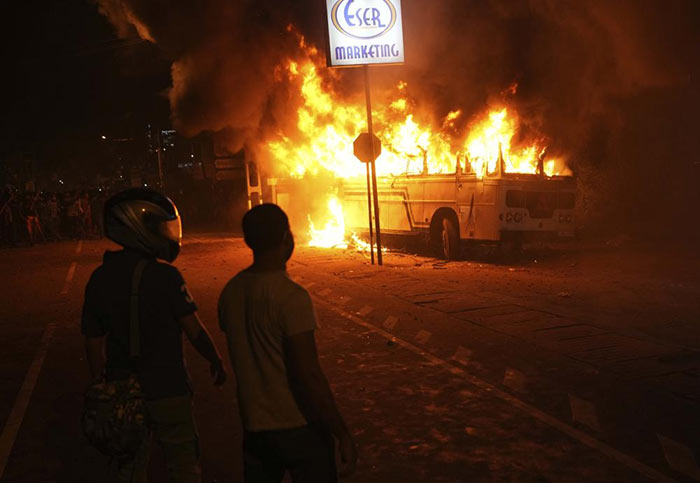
(264, 227)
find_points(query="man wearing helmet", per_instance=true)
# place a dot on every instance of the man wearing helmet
(147, 225)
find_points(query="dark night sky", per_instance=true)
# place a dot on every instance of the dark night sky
(68, 79)
(613, 82)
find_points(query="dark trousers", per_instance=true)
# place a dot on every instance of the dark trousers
(308, 453)
(172, 426)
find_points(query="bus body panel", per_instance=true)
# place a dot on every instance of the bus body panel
(488, 209)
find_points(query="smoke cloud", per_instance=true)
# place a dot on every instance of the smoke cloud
(614, 85)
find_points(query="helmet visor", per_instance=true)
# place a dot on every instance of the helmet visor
(172, 229)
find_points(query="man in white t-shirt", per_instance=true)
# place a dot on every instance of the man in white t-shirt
(286, 405)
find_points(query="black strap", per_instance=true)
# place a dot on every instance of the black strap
(134, 328)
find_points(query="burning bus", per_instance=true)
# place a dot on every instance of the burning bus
(445, 209)
(448, 209)
(484, 180)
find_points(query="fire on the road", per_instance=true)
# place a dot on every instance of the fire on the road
(332, 234)
(327, 125)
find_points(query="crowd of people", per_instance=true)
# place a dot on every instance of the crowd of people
(29, 217)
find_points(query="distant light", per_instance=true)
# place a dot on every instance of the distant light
(145, 184)
(99, 189)
(60, 181)
(103, 136)
(191, 155)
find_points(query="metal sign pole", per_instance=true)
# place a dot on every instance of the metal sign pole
(374, 169)
(369, 212)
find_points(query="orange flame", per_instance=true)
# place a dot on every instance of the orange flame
(327, 126)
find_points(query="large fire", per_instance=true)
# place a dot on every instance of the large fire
(327, 126)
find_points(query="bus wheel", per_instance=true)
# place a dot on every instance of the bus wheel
(445, 239)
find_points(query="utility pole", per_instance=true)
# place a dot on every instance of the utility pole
(375, 193)
(369, 212)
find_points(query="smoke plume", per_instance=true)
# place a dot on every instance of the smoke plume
(614, 85)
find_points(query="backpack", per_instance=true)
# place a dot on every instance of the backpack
(114, 416)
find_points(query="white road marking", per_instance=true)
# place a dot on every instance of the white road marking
(69, 278)
(390, 322)
(462, 355)
(14, 420)
(79, 248)
(679, 457)
(366, 310)
(532, 411)
(584, 412)
(423, 336)
(514, 380)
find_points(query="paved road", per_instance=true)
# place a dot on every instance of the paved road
(573, 366)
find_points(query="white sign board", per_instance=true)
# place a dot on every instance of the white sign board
(365, 32)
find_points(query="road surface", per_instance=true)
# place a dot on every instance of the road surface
(576, 364)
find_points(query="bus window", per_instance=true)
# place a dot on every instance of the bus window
(516, 199)
(566, 201)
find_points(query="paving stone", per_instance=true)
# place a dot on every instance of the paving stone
(462, 355)
(679, 457)
(396, 275)
(390, 322)
(684, 384)
(356, 275)
(515, 318)
(320, 259)
(638, 368)
(514, 380)
(594, 342)
(625, 349)
(481, 314)
(584, 412)
(413, 288)
(455, 304)
(530, 328)
(564, 332)
(682, 361)
(423, 336)
(423, 298)
(365, 310)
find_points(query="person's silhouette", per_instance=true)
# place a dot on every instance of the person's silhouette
(286, 405)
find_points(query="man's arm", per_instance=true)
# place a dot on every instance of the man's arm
(309, 382)
(94, 350)
(198, 335)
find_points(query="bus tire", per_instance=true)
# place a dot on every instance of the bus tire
(445, 238)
